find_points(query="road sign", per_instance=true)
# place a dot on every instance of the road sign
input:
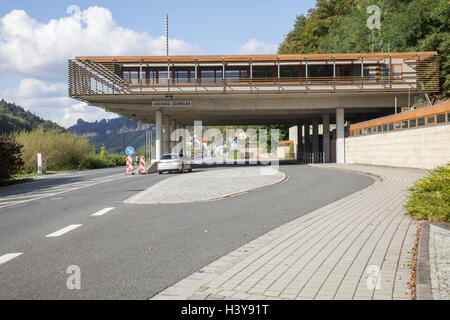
(171, 103)
(129, 151)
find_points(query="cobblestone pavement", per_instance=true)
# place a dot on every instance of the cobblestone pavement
(440, 262)
(330, 253)
(178, 189)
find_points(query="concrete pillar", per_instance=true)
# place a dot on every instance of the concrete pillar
(315, 135)
(173, 127)
(300, 140)
(166, 134)
(340, 143)
(158, 134)
(198, 133)
(326, 136)
(293, 136)
(186, 152)
(307, 148)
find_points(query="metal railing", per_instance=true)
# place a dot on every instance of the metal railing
(92, 78)
(312, 157)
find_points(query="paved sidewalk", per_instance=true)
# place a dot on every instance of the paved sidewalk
(209, 185)
(325, 254)
(439, 262)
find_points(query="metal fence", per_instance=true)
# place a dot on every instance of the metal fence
(312, 157)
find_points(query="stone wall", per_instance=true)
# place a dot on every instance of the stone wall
(425, 147)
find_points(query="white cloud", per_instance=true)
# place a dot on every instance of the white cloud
(254, 46)
(82, 111)
(33, 49)
(38, 53)
(50, 101)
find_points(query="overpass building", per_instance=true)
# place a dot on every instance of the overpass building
(294, 89)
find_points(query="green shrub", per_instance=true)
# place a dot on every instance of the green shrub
(105, 160)
(11, 161)
(63, 149)
(430, 196)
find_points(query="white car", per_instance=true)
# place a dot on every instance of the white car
(174, 162)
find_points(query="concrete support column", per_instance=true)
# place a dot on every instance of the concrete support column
(326, 136)
(340, 143)
(198, 133)
(315, 135)
(300, 140)
(166, 134)
(186, 152)
(307, 148)
(158, 123)
(173, 127)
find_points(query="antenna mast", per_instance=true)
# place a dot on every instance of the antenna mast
(167, 34)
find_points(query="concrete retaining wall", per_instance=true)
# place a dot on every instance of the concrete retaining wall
(425, 147)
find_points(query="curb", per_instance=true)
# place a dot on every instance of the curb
(423, 280)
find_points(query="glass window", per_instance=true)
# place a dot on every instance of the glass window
(232, 75)
(391, 126)
(448, 117)
(263, 73)
(440, 118)
(379, 129)
(207, 76)
(365, 130)
(288, 72)
(169, 157)
(404, 124)
(430, 119)
(369, 130)
(319, 71)
(181, 76)
(412, 123)
(360, 131)
(384, 127)
(421, 121)
(152, 76)
(397, 125)
(162, 74)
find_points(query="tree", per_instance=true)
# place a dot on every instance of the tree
(11, 161)
(339, 26)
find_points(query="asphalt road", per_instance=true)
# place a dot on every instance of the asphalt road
(135, 251)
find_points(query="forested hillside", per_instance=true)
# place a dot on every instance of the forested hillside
(114, 134)
(14, 118)
(339, 26)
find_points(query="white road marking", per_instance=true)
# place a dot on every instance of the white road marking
(63, 230)
(9, 256)
(59, 189)
(102, 212)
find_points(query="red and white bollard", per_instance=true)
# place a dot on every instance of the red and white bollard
(142, 165)
(129, 164)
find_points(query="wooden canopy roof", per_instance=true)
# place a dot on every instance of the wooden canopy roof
(261, 58)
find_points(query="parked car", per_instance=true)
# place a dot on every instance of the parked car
(174, 162)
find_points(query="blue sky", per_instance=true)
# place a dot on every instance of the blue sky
(44, 34)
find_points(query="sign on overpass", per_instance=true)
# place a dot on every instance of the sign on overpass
(172, 103)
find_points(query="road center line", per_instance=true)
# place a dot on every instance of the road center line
(102, 212)
(63, 230)
(9, 256)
